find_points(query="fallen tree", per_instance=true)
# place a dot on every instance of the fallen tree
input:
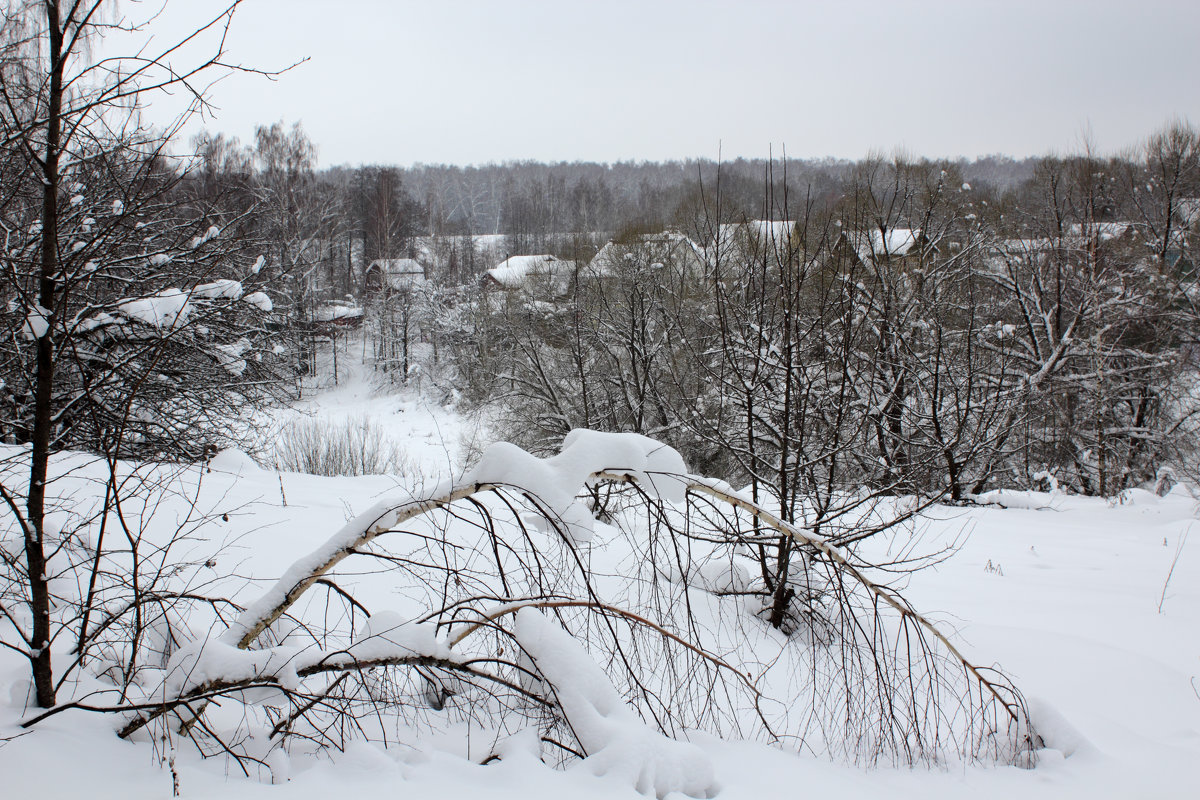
(670, 630)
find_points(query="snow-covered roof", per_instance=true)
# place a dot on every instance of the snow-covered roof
(874, 244)
(397, 266)
(400, 273)
(1103, 231)
(772, 231)
(514, 271)
(662, 248)
(1025, 246)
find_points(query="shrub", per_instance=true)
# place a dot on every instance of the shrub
(356, 446)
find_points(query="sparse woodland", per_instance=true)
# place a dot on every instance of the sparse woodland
(741, 372)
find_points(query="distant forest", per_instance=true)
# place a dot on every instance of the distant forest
(529, 197)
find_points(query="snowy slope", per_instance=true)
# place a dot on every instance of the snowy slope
(1063, 594)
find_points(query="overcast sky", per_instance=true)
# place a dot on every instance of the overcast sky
(472, 81)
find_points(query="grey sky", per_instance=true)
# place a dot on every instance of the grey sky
(470, 82)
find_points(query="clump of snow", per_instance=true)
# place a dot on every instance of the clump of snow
(1054, 729)
(230, 357)
(1008, 498)
(556, 480)
(159, 260)
(220, 289)
(218, 661)
(258, 264)
(99, 320)
(208, 235)
(168, 309)
(388, 634)
(77, 200)
(260, 300)
(617, 742)
(233, 461)
(118, 208)
(37, 322)
(717, 575)
(334, 311)
(209, 661)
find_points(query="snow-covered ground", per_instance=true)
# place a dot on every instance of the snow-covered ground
(434, 440)
(1068, 595)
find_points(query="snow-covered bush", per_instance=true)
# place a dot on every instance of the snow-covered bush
(356, 446)
(673, 645)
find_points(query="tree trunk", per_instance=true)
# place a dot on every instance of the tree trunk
(39, 457)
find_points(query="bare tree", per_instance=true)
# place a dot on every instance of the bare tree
(104, 294)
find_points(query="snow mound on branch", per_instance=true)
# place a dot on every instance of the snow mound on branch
(37, 322)
(168, 309)
(210, 662)
(213, 663)
(336, 311)
(209, 234)
(100, 320)
(229, 356)
(659, 469)
(618, 744)
(1009, 498)
(388, 634)
(259, 300)
(554, 481)
(221, 289)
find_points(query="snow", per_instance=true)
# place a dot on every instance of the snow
(558, 479)
(514, 271)
(1073, 616)
(216, 660)
(388, 634)
(1015, 499)
(259, 300)
(212, 660)
(229, 356)
(336, 311)
(99, 320)
(167, 309)
(221, 289)
(258, 265)
(37, 322)
(233, 461)
(207, 236)
(617, 743)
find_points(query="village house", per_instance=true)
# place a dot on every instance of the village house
(543, 275)
(900, 248)
(656, 251)
(394, 274)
